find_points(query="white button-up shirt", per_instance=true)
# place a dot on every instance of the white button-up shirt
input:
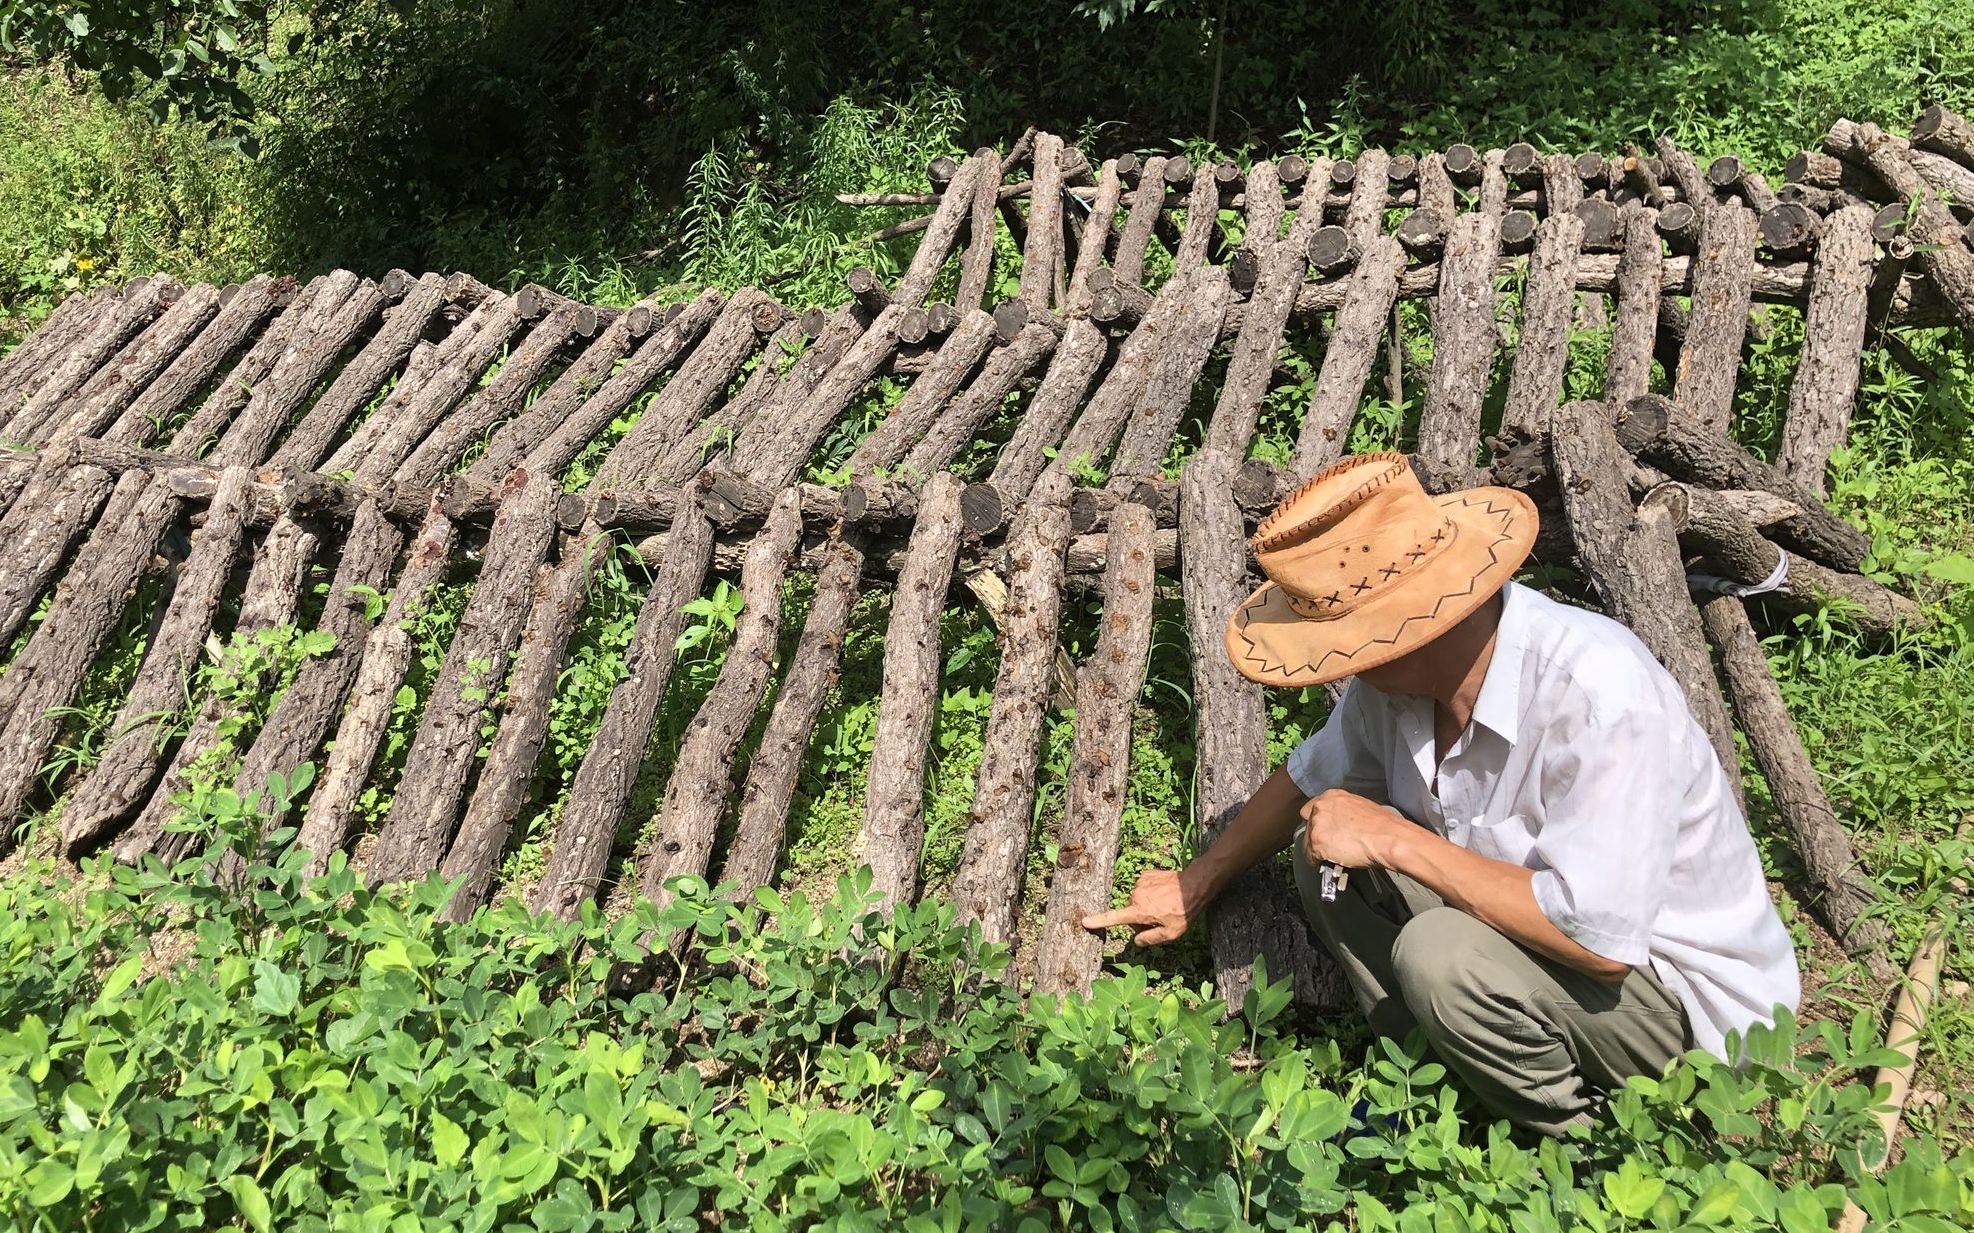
(1584, 764)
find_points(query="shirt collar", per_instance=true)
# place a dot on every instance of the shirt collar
(1498, 707)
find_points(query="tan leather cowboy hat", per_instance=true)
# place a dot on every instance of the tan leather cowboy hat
(1363, 566)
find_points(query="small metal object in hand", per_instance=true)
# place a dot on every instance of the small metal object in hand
(1332, 878)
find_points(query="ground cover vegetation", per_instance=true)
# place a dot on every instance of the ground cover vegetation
(177, 1051)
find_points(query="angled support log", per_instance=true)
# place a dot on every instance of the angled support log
(253, 367)
(1258, 916)
(418, 829)
(1933, 230)
(389, 348)
(1348, 360)
(709, 440)
(23, 368)
(893, 832)
(1068, 956)
(119, 781)
(775, 448)
(1168, 387)
(703, 376)
(1723, 287)
(1147, 202)
(514, 440)
(1263, 204)
(239, 317)
(1364, 218)
(772, 776)
(1826, 384)
(696, 794)
(68, 371)
(579, 852)
(1632, 560)
(1202, 223)
(1463, 350)
(1628, 371)
(1542, 348)
(295, 375)
(1835, 892)
(1096, 239)
(495, 402)
(1042, 256)
(928, 396)
(954, 208)
(987, 884)
(379, 671)
(56, 505)
(1659, 433)
(1072, 366)
(654, 357)
(1091, 437)
(962, 419)
(108, 393)
(977, 262)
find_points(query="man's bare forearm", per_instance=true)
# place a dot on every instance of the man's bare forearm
(1263, 827)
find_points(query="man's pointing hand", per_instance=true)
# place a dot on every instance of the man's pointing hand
(1160, 901)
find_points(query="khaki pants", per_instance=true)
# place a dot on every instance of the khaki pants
(1536, 1041)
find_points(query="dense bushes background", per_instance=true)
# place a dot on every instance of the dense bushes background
(613, 147)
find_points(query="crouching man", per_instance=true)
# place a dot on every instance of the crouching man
(1511, 832)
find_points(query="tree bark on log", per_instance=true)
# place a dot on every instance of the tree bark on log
(1347, 361)
(1463, 350)
(710, 439)
(23, 368)
(928, 396)
(1632, 560)
(302, 717)
(1837, 896)
(657, 354)
(1168, 388)
(1282, 265)
(1658, 433)
(987, 884)
(510, 767)
(1542, 348)
(85, 610)
(53, 511)
(1945, 131)
(1258, 915)
(893, 832)
(580, 848)
(1146, 203)
(129, 765)
(419, 828)
(1042, 255)
(493, 403)
(963, 418)
(774, 450)
(67, 371)
(386, 657)
(1826, 384)
(701, 778)
(404, 325)
(1723, 288)
(777, 765)
(231, 393)
(315, 349)
(1933, 229)
(1628, 371)
(1072, 367)
(1364, 218)
(704, 375)
(255, 301)
(977, 262)
(519, 436)
(1095, 430)
(1068, 956)
(944, 229)
(1263, 207)
(117, 384)
(1202, 223)
(1096, 239)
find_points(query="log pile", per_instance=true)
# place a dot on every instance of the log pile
(381, 438)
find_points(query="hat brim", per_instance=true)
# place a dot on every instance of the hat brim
(1271, 643)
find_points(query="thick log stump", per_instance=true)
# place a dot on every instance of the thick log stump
(580, 848)
(1258, 916)
(987, 885)
(1632, 560)
(893, 831)
(1068, 956)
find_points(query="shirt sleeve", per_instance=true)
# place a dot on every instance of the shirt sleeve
(1604, 848)
(1341, 753)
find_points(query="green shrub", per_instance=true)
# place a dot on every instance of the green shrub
(180, 1053)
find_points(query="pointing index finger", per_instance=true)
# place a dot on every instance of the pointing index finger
(1095, 921)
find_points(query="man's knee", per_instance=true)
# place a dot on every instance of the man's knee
(1438, 961)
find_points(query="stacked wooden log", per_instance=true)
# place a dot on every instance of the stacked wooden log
(390, 436)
